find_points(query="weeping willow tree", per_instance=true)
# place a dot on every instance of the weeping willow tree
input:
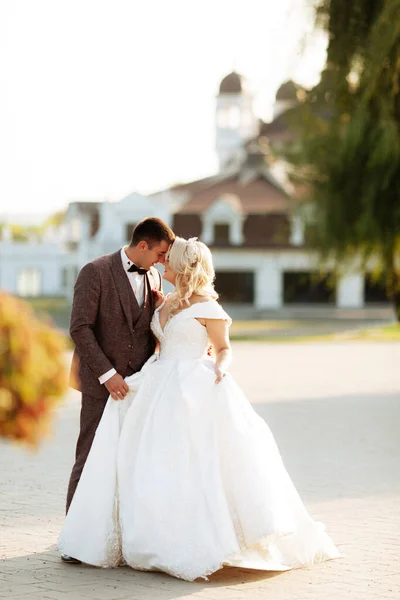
(349, 153)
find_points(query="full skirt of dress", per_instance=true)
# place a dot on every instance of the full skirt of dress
(185, 477)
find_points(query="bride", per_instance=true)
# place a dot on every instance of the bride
(183, 476)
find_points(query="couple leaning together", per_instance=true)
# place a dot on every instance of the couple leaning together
(174, 469)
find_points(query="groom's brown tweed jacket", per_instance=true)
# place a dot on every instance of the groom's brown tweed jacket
(109, 330)
(108, 327)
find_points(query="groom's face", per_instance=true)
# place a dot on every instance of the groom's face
(154, 254)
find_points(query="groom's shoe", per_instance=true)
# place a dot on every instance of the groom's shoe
(70, 560)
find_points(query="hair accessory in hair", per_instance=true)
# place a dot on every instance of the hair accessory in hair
(191, 250)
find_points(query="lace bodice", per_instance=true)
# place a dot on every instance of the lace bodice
(183, 337)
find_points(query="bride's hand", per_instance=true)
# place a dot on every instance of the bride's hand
(158, 298)
(220, 373)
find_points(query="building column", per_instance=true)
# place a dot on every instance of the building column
(207, 232)
(350, 291)
(236, 231)
(296, 230)
(268, 286)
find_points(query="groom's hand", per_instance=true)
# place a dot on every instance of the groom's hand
(158, 298)
(117, 387)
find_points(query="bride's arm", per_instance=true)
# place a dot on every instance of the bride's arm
(218, 332)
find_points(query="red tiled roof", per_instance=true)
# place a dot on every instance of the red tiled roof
(258, 196)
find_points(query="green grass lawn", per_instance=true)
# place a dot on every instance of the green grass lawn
(384, 333)
(381, 333)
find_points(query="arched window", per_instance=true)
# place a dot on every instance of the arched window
(222, 233)
(229, 117)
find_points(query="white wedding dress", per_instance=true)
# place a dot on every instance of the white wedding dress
(184, 477)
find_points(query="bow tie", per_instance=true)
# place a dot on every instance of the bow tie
(135, 269)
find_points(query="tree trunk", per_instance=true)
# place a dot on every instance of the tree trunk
(393, 280)
(396, 304)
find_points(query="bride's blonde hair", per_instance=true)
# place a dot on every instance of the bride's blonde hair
(191, 260)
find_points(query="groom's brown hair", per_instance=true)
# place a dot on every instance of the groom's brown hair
(152, 230)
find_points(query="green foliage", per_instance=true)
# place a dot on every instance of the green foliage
(350, 131)
(33, 372)
(55, 220)
(26, 233)
(23, 233)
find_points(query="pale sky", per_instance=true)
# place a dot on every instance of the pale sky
(100, 98)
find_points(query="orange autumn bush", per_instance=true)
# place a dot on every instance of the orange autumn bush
(33, 373)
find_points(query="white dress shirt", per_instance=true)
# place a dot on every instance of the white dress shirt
(137, 281)
(138, 286)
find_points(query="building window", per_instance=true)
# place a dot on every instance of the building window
(69, 276)
(310, 234)
(229, 117)
(129, 230)
(29, 282)
(306, 287)
(221, 233)
(64, 277)
(374, 290)
(235, 286)
(75, 273)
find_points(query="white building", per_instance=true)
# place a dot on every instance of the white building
(243, 212)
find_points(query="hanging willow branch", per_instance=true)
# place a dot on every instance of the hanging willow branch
(350, 133)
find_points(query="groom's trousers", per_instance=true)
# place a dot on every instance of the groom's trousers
(91, 413)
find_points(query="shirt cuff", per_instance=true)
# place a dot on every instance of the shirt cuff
(106, 376)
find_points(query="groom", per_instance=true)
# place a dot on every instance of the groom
(110, 325)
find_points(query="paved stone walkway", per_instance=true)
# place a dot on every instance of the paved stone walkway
(334, 410)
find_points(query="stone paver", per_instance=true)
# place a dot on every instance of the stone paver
(334, 410)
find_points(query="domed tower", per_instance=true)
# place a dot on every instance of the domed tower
(235, 121)
(287, 96)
